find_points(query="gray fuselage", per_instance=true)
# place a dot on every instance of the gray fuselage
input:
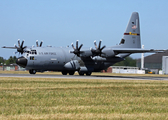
(55, 59)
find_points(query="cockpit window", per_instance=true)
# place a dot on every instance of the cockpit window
(33, 52)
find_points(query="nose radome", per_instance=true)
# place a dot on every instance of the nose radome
(21, 61)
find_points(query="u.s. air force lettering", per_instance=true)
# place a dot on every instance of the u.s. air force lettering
(47, 53)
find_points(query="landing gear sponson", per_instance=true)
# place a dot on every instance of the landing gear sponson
(72, 73)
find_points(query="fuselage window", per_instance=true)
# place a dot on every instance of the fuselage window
(26, 51)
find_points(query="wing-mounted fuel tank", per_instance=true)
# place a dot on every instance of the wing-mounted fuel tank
(72, 65)
(86, 53)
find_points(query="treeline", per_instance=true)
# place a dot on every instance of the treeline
(127, 62)
(11, 60)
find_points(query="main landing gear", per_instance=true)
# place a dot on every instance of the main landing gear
(32, 71)
(87, 73)
(66, 72)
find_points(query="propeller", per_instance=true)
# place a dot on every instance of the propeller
(98, 50)
(77, 49)
(19, 48)
(40, 43)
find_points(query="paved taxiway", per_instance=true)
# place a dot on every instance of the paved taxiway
(85, 77)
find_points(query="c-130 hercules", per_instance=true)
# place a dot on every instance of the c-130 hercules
(84, 60)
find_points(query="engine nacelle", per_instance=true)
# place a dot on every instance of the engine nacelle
(86, 53)
(98, 58)
(107, 52)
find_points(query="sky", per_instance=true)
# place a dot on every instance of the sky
(61, 22)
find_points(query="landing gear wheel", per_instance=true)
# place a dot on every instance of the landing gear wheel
(32, 71)
(71, 72)
(64, 72)
(81, 73)
(88, 73)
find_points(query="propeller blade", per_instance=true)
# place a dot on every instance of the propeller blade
(102, 47)
(22, 44)
(73, 46)
(80, 47)
(15, 46)
(41, 43)
(37, 43)
(19, 42)
(100, 44)
(95, 44)
(77, 44)
(24, 47)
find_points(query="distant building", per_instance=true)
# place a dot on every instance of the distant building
(124, 69)
(11, 67)
(153, 62)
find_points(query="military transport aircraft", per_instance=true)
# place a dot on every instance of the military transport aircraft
(84, 60)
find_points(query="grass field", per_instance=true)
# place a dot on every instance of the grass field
(50, 98)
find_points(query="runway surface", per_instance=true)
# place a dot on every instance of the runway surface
(126, 77)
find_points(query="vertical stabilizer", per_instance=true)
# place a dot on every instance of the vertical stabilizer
(131, 38)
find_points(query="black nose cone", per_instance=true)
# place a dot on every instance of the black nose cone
(21, 61)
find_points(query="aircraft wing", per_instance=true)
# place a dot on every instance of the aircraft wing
(9, 47)
(135, 50)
